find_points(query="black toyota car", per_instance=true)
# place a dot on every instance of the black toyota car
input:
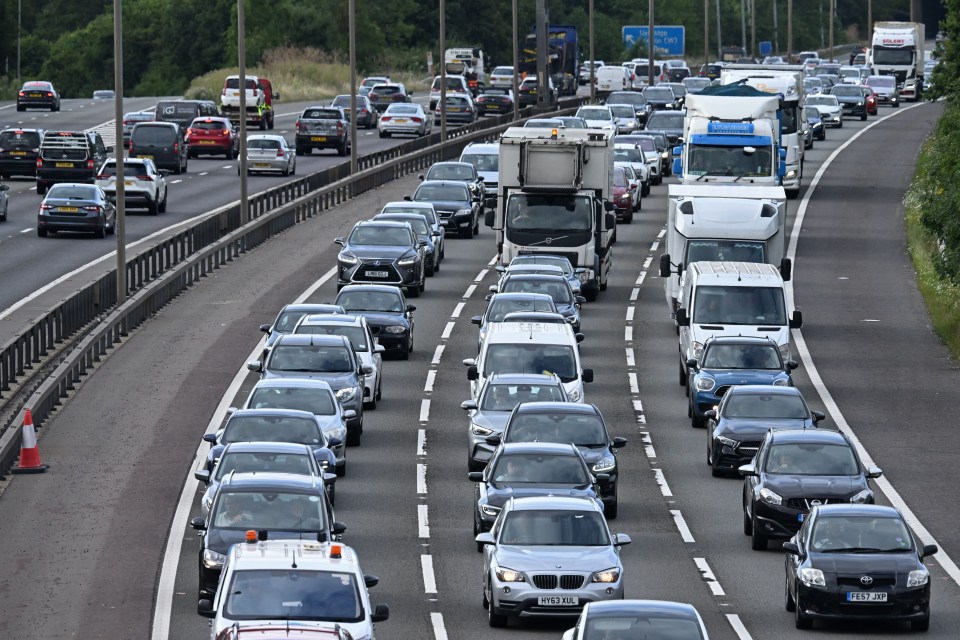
(459, 208)
(387, 312)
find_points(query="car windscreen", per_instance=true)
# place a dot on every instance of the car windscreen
(654, 623)
(418, 224)
(450, 193)
(765, 405)
(741, 356)
(271, 428)
(293, 594)
(130, 170)
(234, 83)
(500, 307)
(665, 121)
(263, 143)
(531, 358)
(626, 97)
(482, 161)
(559, 291)
(344, 101)
(152, 135)
(555, 261)
(356, 335)
(71, 192)
(321, 114)
(581, 429)
(539, 469)
(549, 213)
(822, 101)
(282, 511)
(739, 305)
(593, 113)
(311, 358)
(450, 172)
(731, 161)
(505, 396)
(386, 89)
(812, 459)
(852, 534)
(843, 90)
(264, 462)
(17, 139)
(647, 144)
(554, 528)
(316, 401)
(725, 251)
(427, 212)
(379, 236)
(208, 125)
(402, 110)
(881, 81)
(370, 301)
(628, 155)
(657, 93)
(623, 111)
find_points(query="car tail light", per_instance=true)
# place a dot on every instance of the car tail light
(176, 147)
(339, 127)
(467, 109)
(372, 95)
(297, 125)
(145, 178)
(224, 132)
(386, 118)
(131, 144)
(92, 207)
(49, 95)
(103, 176)
(417, 119)
(39, 163)
(90, 164)
(279, 153)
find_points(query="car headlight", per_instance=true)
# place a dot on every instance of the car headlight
(583, 276)
(770, 497)
(464, 212)
(784, 351)
(479, 430)
(397, 328)
(697, 348)
(664, 155)
(625, 197)
(918, 578)
(864, 497)
(812, 577)
(727, 442)
(346, 394)
(705, 384)
(213, 560)
(604, 464)
(347, 258)
(607, 575)
(790, 175)
(409, 260)
(337, 432)
(493, 512)
(509, 575)
(574, 395)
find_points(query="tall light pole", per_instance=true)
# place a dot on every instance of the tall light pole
(242, 54)
(743, 25)
(516, 62)
(442, 105)
(869, 22)
(352, 28)
(18, 40)
(776, 30)
(650, 45)
(118, 150)
(753, 28)
(543, 72)
(593, 71)
(790, 31)
(719, 35)
(706, 31)
(832, 9)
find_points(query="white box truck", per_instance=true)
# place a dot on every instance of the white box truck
(554, 197)
(722, 223)
(897, 50)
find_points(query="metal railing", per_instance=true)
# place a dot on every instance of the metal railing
(83, 327)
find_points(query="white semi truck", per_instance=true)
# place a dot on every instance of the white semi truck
(733, 138)
(787, 83)
(554, 197)
(722, 223)
(897, 50)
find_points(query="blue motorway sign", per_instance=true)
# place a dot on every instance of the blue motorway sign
(765, 47)
(667, 41)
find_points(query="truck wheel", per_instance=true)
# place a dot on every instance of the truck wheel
(41, 189)
(645, 190)
(263, 124)
(342, 149)
(270, 122)
(591, 295)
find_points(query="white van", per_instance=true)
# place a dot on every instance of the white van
(530, 347)
(731, 299)
(613, 78)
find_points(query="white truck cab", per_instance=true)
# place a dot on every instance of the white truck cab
(731, 299)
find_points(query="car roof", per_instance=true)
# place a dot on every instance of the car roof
(480, 147)
(383, 288)
(413, 204)
(544, 448)
(848, 509)
(338, 319)
(523, 378)
(266, 136)
(378, 222)
(763, 389)
(554, 503)
(444, 183)
(744, 340)
(267, 447)
(451, 163)
(307, 556)
(558, 407)
(270, 480)
(659, 607)
(310, 307)
(312, 339)
(292, 383)
(520, 295)
(279, 413)
(545, 277)
(815, 436)
(397, 216)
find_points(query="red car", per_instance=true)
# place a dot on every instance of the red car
(212, 136)
(623, 195)
(871, 100)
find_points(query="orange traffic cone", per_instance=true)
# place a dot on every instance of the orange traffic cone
(29, 451)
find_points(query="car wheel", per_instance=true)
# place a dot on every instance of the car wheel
(41, 189)
(495, 619)
(286, 171)
(42, 233)
(921, 625)
(342, 149)
(627, 219)
(645, 190)
(431, 270)
(863, 116)
(696, 421)
(152, 207)
(301, 152)
(468, 233)
(162, 207)
(263, 124)
(21, 108)
(293, 169)
(413, 291)
(747, 521)
(371, 404)
(270, 123)
(840, 125)
(353, 437)
(610, 510)
(801, 620)
(332, 494)
(682, 375)
(101, 231)
(788, 602)
(758, 541)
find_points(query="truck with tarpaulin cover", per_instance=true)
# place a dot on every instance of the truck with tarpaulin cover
(563, 57)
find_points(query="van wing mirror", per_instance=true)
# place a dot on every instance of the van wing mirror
(665, 265)
(587, 375)
(682, 319)
(796, 320)
(786, 269)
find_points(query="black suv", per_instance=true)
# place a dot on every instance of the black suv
(162, 142)
(69, 156)
(19, 150)
(382, 252)
(183, 112)
(459, 208)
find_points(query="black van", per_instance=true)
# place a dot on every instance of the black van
(161, 142)
(183, 112)
(19, 150)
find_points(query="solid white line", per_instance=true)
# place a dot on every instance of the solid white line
(447, 330)
(682, 526)
(738, 627)
(423, 521)
(630, 311)
(425, 410)
(630, 361)
(421, 479)
(641, 278)
(634, 386)
(421, 442)
(949, 566)
(431, 377)
(481, 275)
(633, 294)
(439, 631)
(628, 334)
(708, 576)
(175, 537)
(457, 309)
(429, 581)
(646, 263)
(437, 355)
(470, 290)
(662, 481)
(655, 245)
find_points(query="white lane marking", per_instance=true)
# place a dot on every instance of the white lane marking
(431, 377)
(650, 452)
(633, 294)
(27, 230)
(177, 181)
(429, 580)
(646, 263)
(437, 355)
(175, 537)
(447, 330)
(439, 631)
(230, 166)
(662, 233)
(630, 311)
(421, 442)
(682, 526)
(423, 521)
(492, 262)
(628, 334)
(634, 386)
(662, 481)
(481, 275)
(738, 627)
(641, 278)
(708, 576)
(630, 361)
(470, 290)
(421, 479)
(457, 309)
(425, 410)
(655, 245)
(869, 320)
(945, 561)
(638, 409)
(205, 173)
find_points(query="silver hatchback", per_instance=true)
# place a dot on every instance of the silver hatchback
(270, 154)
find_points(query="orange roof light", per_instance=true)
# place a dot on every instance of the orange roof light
(336, 551)
(251, 536)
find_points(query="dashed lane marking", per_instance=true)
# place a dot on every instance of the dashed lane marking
(425, 410)
(423, 521)
(439, 631)
(738, 627)
(662, 482)
(437, 354)
(431, 378)
(708, 577)
(421, 479)
(682, 526)
(421, 442)
(429, 580)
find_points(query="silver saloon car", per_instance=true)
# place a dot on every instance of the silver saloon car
(270, 154)
(405, 118)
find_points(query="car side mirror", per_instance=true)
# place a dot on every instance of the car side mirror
(579, 337)
(619, 443)
(494, 440)
(468, 405)
(790, 365)
(109, 149)
(469, 361)
(473, 373)
(580, 299)
(210, 437)
(379, 348)
(408, 198)
(621, 539)
(817, 416)
(205, 608)
(710, 413)
(338, 528)
(791, 547)
(692, 363)
(747, 470)
(198, 523)
(586, 375)
(489, 218)
(371, 581)
(421, 177)
(164, 172)
(254, 365)
(334, 442)
(796, 320)
(475, 476)
(485, 538)
(477, 320)
(380, 613)
(874, 472)
(349, 414)
(411, 308)
(202, 475)
(339, 241)
(665, 265)
(265, 328)
(682, 319)
(494, 288)
(929, 550)
(602, 479)
(366, 369)
(608, 206)
(422, 243)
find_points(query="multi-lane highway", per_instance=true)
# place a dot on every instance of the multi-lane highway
(86, 545)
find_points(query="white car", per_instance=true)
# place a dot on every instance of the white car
(143, 183)
(598, 117)
(829, 107)
(632, 154)
(367, 348)
(502, 77)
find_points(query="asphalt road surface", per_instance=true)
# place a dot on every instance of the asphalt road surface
(84, 544)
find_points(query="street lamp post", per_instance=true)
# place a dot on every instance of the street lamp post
(516, 65)
(650, 45)
(442, 105)
(242, 54)
(18, 40)
(120, 220)
(789, 31)
(706, 31)
(352, 28)
(832, 9)
(593, 70)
